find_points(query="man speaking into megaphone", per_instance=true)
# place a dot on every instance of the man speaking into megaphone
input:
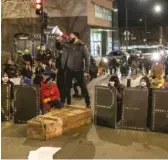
(75, 62)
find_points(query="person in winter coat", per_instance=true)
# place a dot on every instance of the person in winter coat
(50, 69)
(60, 72)
(75, 62)
(27, 71)
(113, 64)
(38, 73)
(10, 68)
(27, 56)
(147, 65)
(166, 67)
(50, 95)
(156, 77)
(144, 82)
(6, 80)
(114, 82)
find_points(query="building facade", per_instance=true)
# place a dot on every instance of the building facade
(91, 18)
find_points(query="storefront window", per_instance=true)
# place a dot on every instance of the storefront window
(96, 43)
(109, 44)
(103, 13)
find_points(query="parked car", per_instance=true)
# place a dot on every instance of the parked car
(153, 53)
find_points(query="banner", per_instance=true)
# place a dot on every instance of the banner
(134, 111)
(26, 102)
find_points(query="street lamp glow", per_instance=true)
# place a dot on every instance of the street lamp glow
(140, 20)
(157, 8)
(115, 10)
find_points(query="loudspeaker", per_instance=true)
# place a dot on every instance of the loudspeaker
(57, 31)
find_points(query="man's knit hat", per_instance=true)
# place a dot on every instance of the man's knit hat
(76, 34)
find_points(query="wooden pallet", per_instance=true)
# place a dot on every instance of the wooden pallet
(57, 122)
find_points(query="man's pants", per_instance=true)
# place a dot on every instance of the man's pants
(79, 76)
(111, 70)
(53, 104)
(76, 84)
(60, 84)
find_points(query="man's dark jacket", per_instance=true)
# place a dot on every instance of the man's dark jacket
(75, 57)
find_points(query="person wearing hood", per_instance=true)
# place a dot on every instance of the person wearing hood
(10, 68)
(51, 69)
(114, 82)
(144, 82)
(156, 77)
(38, 73)
(50, 95)
(27, 74)
(27, 56)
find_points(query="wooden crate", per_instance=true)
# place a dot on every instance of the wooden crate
(57, 122)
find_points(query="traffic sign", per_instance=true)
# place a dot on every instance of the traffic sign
(127, 33)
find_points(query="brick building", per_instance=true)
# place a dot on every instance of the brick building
(92, 18)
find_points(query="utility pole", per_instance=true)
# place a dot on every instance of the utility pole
(115, 33)
(43, 21)
(126, 23)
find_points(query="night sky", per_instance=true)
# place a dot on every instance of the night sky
(138, 8)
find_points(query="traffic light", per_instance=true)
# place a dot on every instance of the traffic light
(45, 22)
(39, 7)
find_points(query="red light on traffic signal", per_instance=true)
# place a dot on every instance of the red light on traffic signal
(38, 6)
(38, 1)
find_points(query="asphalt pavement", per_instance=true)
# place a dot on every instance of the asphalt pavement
(90, 141)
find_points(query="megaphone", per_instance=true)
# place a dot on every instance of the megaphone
(57, 31)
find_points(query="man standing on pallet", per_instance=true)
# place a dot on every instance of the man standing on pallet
(75, 63)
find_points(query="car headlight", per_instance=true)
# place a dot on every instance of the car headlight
(156, 56)
(105, 60)
(162, 53)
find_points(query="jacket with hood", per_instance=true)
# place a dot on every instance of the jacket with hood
(75, 57)
(51, 92)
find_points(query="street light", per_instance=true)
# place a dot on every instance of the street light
(157, 8)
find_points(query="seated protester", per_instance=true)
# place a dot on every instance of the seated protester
(10, 68)
(51, 70)
(156, 77)
(27, 70)
(114, 82)
(6, 80)
(165, 85)
(156, 83)
(166, 66)
(50, 95)
(38, 74)
(144, 82)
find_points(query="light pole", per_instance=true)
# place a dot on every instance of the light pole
(126, 23)
(157, 8)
